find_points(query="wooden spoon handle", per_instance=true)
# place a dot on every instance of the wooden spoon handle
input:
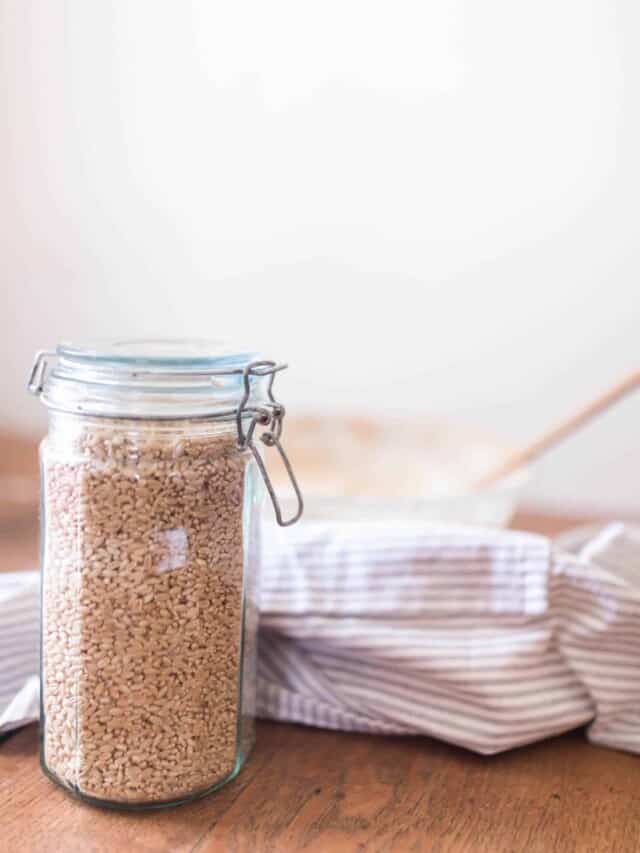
(560, 431)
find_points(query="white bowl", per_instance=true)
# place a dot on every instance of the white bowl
(369, 469)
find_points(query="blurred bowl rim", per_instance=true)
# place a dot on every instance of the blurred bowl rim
(513, 483)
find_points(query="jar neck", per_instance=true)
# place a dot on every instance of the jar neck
(154, 382)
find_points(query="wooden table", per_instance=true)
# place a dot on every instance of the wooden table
(327, 792)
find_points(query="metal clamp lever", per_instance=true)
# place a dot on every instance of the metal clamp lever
(271, 416)
(39, 370)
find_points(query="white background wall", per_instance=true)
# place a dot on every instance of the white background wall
(426, 207)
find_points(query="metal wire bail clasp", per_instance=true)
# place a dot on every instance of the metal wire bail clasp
(39, 370)
(269, 416)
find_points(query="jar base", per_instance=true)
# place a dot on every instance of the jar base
(116, 805)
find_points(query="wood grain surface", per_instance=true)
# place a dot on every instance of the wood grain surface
(328, 792)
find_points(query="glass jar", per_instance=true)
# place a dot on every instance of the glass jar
(150, 519)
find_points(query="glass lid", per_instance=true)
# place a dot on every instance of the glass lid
(163, 353)
(151, 377)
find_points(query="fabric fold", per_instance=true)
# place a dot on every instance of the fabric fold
(483, 638)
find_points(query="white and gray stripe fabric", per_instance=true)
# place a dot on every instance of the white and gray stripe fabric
(19, 648)
(598, 627)
(487, 639)
(484, 638)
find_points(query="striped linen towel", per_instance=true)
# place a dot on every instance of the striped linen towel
(488, 639)
(484, 638)
(19, 648)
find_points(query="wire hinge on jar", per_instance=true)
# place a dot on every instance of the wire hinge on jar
(269, 416)
(35, 384)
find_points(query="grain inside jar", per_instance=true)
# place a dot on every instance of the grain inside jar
(142, 607)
